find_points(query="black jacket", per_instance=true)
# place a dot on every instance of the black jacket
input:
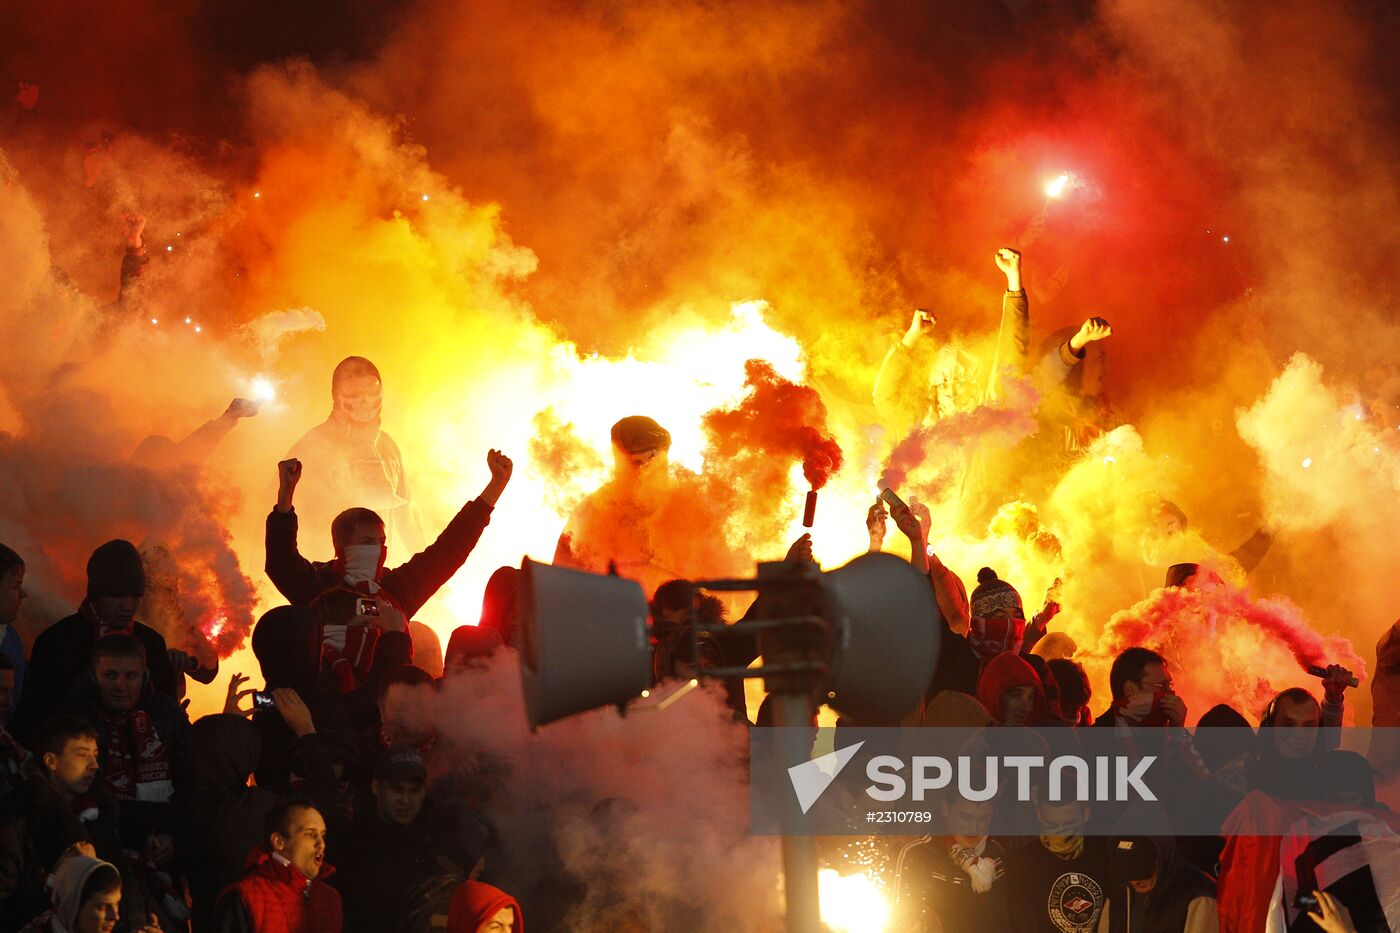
(382, 865)
(411, 584)
(61, 654)
(1179, 885)
(36, 828)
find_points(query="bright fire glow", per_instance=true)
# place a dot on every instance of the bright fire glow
(676, 376)
(852, 903)
(263, 389)
(1057, 186)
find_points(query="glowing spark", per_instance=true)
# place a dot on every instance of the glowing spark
(425, 197)
(188, 321)
(257, 194)
(645, 694)
(1056, 186)
(678, 694)
(1307, 462)
(169, 249)
(263, 389)
(198, 329)
(1225, 239)
(155, 321)
(852, 903)
(1110, 460)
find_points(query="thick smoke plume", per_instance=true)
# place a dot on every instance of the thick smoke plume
(600, 791)
(1225, 646)
(776, 424)
(518, 206)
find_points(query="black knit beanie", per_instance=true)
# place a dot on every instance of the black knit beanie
(115, 569)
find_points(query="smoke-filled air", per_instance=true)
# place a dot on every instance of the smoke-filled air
(537, 219)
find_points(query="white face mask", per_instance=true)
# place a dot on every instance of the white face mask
(362, 562)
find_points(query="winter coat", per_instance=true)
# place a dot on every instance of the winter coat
(62, 654)
(218, 818)
(37, 828)
(411, 584)
(1182, 901)
(168, 720)
(382, 865)
(936, 894)
(274, 898)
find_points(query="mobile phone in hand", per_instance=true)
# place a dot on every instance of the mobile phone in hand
(263, 699)
(366, 607)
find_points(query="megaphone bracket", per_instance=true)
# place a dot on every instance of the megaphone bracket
(784, 667)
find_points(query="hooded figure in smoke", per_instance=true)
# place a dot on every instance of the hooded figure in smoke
(616, 525)
(351, 461)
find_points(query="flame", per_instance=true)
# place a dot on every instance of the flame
(1057, 186)
(852, 903)
(262, 389)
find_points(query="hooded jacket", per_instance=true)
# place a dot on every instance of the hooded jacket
(218, 817)
(36, 829)
(1001, 674)
(474, 903)
(274, 897)
(68, 884)
(1182, 901)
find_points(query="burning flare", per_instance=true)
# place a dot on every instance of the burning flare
(852, 903)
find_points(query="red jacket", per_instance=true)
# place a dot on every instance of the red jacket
(275, 898)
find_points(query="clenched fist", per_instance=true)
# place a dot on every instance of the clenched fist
(1096, 328)
(1009, 262)
(288, 475)
(920, 326)
(501, 470)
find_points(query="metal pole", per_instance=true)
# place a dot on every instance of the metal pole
(792, 713)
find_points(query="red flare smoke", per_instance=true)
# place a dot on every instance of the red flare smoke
(778, 419)
(938, 445)
(1226, 647)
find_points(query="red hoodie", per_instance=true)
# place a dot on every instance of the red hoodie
(1001, 674)
(474, 903)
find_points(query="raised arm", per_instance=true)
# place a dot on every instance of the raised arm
(1056, 366)
(291, 573)
(415, 582)
(1014, 333)
(899, 394)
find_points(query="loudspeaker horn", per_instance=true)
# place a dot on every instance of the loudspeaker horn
(583, 641)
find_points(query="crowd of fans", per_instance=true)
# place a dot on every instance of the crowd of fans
(328, 800)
